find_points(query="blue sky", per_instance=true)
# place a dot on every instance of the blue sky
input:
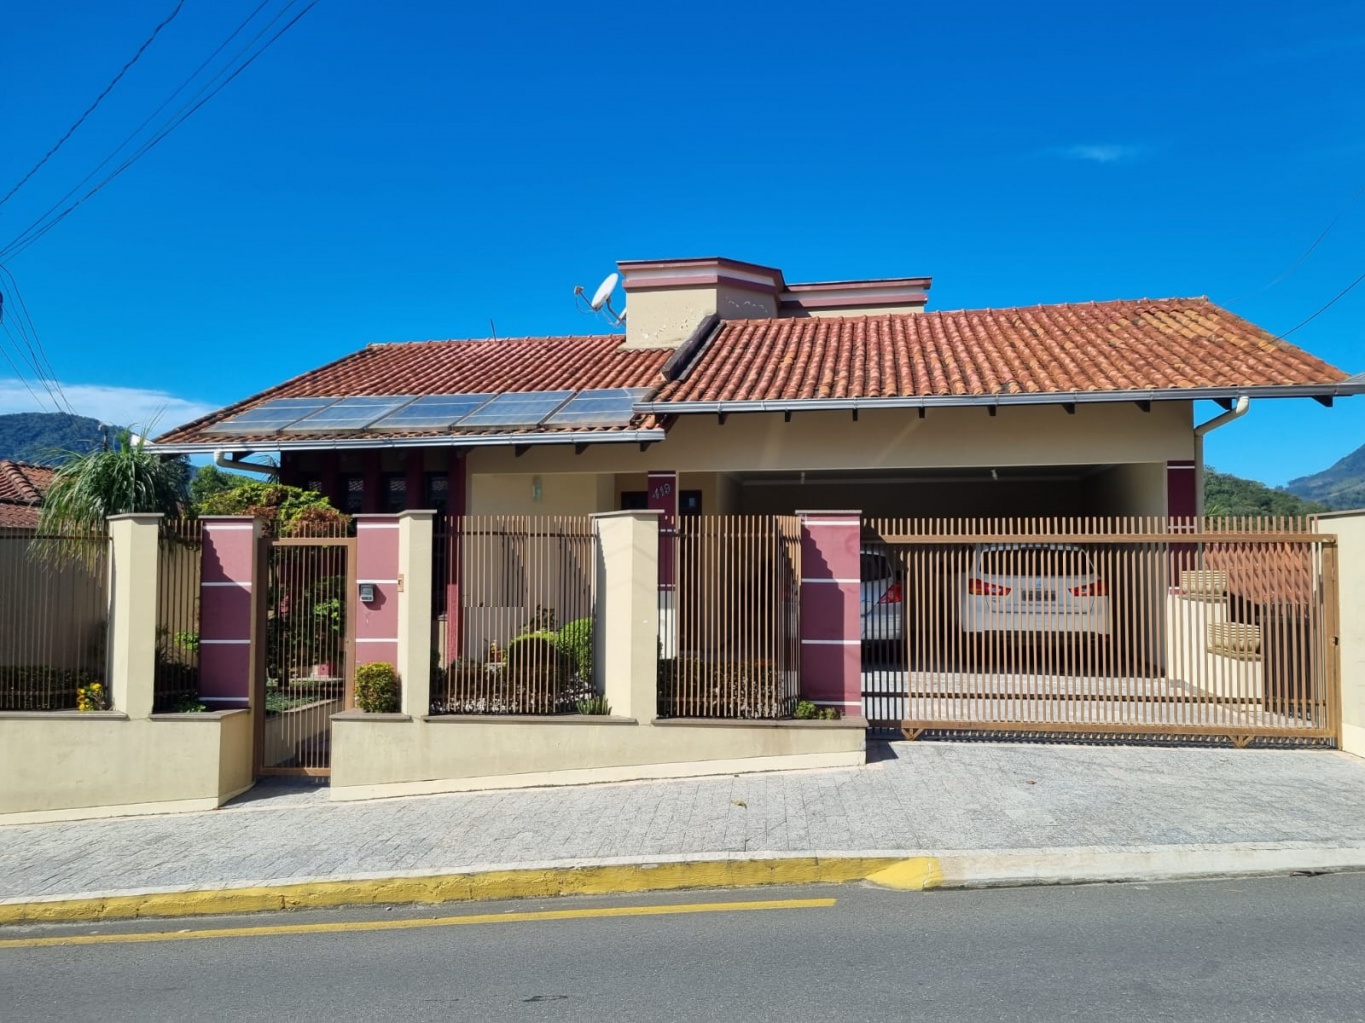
(402, 171)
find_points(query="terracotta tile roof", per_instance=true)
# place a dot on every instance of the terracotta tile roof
(22, 487)
(1095, 347)
(457, 367)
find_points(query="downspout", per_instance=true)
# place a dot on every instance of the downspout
(221, 459)
(1203, 430)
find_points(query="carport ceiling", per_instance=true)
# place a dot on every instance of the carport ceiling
(968, 474)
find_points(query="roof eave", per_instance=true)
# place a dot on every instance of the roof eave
(444, 440)
(1343, 389)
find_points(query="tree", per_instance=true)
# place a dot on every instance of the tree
(286, 511)
(126, 477)
(211, 480)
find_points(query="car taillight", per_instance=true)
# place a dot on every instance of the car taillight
(1099, 588)
(892, 594)
(981, 588)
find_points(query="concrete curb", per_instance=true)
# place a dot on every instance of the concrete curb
(899, 870)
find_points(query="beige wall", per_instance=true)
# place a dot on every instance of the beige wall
(69, 765)
(899, 500)
(1100, 434)
(1349, 528)
(561, 492)
(387, 757)
(667, 317)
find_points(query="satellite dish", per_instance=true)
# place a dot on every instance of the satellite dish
(604, 290)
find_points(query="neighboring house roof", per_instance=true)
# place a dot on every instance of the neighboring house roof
(22, 487)
(1163, 349)
(1148, 348)
(505, 365)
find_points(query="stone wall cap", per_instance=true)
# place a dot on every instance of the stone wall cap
(529, 719)
(844, 722)
(63, 715)
(199, 715)
(365, 715)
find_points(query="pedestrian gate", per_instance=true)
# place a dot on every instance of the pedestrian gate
(306, 664)
(1102, 628)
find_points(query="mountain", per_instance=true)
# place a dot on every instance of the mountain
(1341, 486)
(1225, 494)
(43, 437)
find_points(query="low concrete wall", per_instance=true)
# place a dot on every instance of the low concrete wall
(393, 754)
(68, 765)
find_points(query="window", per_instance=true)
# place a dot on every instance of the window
(395, 492)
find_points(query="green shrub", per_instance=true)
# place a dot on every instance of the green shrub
(807, 711)
(595, 704)
(576, 640)
(538, 673)
(526, 637)
(188, 704)
(34, 687)
(376, 688)
(92, 697)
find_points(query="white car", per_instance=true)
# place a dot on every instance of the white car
(880, 593)
(1034, 588)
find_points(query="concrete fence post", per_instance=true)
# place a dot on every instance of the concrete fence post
(415, 543)
(228, 610)
(133, 579)
(626, 644)
(1349, 646)
(831, 618)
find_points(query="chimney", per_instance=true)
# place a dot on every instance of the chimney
(666, 299)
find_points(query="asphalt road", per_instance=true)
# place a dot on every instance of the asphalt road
(1266, 949)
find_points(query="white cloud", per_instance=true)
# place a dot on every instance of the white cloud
(1100, 152)
(126, 406)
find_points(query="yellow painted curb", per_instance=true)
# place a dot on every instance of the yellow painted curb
(913, 875)
(472, 887)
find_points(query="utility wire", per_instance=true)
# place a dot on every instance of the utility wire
(1340, 295)
(37, 357)
(98, 99)
(42, 225)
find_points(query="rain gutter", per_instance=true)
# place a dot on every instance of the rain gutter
(220, 444)
(1355, 385)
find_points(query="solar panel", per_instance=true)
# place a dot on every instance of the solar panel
(272, 416)
(606, 407)
(353, 413)
(433, 412)
(521, 409)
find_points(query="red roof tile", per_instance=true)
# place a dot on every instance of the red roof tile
(460, 367)
(1095, 347)
(22, 487)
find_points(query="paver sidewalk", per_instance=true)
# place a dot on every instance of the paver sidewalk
(915, 799)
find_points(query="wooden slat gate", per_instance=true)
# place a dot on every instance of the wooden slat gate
(1103, 628)
(306, 665)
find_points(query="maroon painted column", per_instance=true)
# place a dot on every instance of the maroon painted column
(1182, 507)
(331, 479)
(227, 609)
(831, 623)
(415, 491)
(456, 498)
(661, 495)
(373, 479)
(376, 625)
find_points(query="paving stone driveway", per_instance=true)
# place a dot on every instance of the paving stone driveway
(915, 798)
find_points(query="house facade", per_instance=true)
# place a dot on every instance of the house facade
(733, 391)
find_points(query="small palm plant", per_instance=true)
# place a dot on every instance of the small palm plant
(123, 478)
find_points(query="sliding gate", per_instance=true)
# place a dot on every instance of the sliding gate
(1102, 628)
(309, 664)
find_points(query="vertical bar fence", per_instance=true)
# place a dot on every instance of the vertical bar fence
(179, 565)
(1208, 629)
(518, 630)
(54, 605)
(735, 637)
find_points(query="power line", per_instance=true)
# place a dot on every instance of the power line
(1340, 295)
(37, 357)
(98, 99)
(42, 225)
